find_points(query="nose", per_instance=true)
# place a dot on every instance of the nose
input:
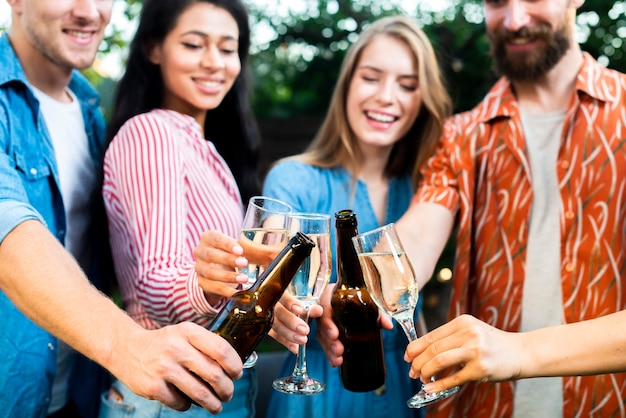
(516, 15)
(87, 9)
(212, 58)
(385, 91)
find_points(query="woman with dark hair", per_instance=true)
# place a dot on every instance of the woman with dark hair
(230, 126)
(182, 154)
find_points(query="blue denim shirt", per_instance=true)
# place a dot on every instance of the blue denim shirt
(29, 189)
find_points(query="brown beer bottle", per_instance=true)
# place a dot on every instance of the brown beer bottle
(356, 315)
(248, 315)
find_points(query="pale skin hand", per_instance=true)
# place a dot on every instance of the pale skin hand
(481, 352)
(476, 350)
(47, 285)
(217, 256)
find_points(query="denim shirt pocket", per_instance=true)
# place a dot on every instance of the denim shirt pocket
(32, 167)
(35, 172)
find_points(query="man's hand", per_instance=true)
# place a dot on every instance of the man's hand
(178, 364)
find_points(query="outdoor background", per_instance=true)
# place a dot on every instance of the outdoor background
(297, 48)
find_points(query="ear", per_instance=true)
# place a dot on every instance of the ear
(153, 52)
(16, 5)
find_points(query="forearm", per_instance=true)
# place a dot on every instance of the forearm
(589, 347)
(48, 286)
(424, 231)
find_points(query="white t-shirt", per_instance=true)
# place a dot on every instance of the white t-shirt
(77, 178)
(542, 301)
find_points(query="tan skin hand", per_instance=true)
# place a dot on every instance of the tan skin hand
(186, 362)
(474, 350)
(217, 256)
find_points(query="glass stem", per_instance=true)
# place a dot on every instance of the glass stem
(300, 371)
(408, 325)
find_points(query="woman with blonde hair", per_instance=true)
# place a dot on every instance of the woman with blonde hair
(385, 118)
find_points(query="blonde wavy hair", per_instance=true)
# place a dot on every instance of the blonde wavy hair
(335, 144)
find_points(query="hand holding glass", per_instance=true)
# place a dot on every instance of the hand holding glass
(307, 286)
(391, 282)
(265, 223)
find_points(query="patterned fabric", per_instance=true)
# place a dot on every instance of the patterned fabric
(481, 170)
(164, 185)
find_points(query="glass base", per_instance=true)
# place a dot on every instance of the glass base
(251, 360)
(304, 386)
(422, 398)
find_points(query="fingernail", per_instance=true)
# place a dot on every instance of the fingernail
(429, 387)
(242, 278)
(238, 249)
(300, 339)
(296, 309)
(302, 330)
(412, 374)
(241, 261)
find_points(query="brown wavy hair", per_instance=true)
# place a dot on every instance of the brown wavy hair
(335, 144)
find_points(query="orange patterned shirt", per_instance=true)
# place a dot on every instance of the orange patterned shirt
(481, 172)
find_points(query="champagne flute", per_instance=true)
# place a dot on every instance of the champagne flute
(264, 224)
(391, 282)
(307, 286)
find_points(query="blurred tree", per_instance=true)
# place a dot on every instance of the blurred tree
(295, 71)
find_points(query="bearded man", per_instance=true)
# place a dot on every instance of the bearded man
(535, 179)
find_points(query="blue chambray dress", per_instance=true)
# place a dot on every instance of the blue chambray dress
(313, 189)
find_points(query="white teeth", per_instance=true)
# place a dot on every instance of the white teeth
(209, 83)
(520, 41)
(379, 117)
(77, 34)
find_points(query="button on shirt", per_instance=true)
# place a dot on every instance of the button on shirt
(481, 170)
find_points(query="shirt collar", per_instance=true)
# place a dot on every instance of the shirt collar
(501, 102)
(11, 67)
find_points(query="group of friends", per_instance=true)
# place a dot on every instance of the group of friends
(532, 181)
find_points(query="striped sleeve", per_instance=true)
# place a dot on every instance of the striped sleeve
(145, 176)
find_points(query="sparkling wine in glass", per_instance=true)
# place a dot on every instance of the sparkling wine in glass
(307, 286)
(265, 224)
(390, 279)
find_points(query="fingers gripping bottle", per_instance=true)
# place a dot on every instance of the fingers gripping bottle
(248, 315)
(356, 315)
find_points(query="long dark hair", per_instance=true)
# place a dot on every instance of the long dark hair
(231, 126)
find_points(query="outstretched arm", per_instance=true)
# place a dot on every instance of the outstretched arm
(45, 283)
(481, 352)
(424, 231)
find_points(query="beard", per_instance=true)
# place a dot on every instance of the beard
(533, 64)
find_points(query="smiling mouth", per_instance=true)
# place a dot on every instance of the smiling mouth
(79, 34)
(208, 83)
(380, 117)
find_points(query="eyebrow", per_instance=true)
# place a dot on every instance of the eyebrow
(378, 70)
(206, 35)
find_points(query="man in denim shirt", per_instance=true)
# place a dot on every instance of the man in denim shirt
(43, 290)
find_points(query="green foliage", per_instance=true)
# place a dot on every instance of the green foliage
(295, 69)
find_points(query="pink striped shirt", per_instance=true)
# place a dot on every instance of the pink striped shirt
(164, 184)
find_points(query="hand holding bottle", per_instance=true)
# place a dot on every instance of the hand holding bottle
(248, 315)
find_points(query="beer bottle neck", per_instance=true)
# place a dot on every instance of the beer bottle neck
(349, 270)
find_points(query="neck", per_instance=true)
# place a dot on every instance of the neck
(553, 92)
(47, 76)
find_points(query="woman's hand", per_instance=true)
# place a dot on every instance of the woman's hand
(289, 328)
(477, 350)
(217, 257)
